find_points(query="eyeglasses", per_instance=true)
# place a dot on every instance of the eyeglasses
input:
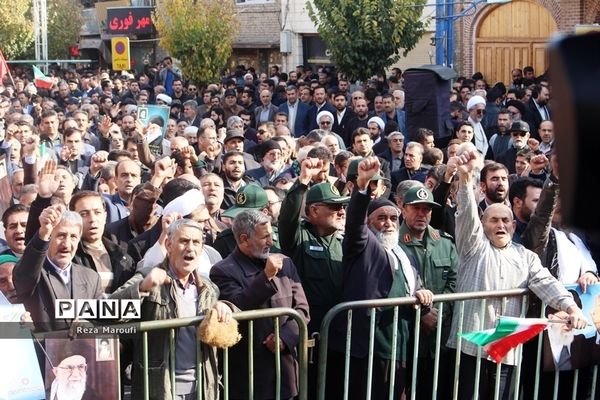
(518, 133)
(480, 111)
(332, 207)
(513, 113)
(272, 203)
(325, 122)
(80, 368)
(398, 140)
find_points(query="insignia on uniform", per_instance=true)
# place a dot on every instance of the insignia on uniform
(435, 234)
(334, 190)
(407, 238)
(422, 194)
(240, 198)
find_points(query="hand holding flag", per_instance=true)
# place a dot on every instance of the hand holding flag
(508, 334)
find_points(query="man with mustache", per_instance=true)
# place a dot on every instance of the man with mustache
(375, 267)
(252, 278)
(14, 220)
(46, 272)
(490, 260)
(7, 288)
(437, 261)
(71, 377)
(494, 184)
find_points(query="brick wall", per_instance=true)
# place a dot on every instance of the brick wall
(566, 13)
(259, 24)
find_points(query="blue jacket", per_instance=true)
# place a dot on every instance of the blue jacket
(116, 208)
(301, 122)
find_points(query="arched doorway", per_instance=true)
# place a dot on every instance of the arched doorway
(513, 35)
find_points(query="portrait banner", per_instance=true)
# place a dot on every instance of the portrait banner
(82, 368)
(566, 349)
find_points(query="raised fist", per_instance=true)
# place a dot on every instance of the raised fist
(49, 218)
(274, 265)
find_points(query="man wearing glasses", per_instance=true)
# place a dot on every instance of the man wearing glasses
(70, 379)
(476, 109)
(315, 243)
(519, 132)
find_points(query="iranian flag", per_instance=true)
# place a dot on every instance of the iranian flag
(41, 80)
(509, 333)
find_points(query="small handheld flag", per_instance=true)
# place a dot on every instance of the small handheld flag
(508, 334)
(41, 80)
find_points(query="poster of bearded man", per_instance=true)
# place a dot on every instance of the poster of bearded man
(74, 370)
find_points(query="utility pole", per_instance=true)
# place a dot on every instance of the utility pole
(40, 26)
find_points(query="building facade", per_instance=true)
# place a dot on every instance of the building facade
(496, 38)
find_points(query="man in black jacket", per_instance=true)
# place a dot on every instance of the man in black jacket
(94, 251)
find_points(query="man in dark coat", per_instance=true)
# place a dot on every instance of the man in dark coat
(251, 278)
(46, 273)
(375, 267)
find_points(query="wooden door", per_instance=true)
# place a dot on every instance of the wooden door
(513, 35)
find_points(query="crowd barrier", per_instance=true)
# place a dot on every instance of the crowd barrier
(440, 301)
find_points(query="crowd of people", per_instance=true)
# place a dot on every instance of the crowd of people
(301, 190)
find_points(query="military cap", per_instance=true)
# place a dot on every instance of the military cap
(419, 195)
(325, 193)
(248, 197)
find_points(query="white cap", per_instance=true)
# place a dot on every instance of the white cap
(186, 203)
(190, 131)
(165, 98)
(323, 113)
(473, 101)
(378, 121)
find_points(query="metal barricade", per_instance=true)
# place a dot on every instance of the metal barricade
(250, 316)
(440, 301)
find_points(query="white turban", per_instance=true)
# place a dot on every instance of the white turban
(186, 203)
(324, 113)
(378, 121)
(165, 98)
(473, 101)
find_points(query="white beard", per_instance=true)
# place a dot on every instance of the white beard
(560, 336)
(70, 391)
(389, 240)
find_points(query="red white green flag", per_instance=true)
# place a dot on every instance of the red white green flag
(41, 80)
(509, 333)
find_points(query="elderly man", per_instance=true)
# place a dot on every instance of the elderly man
(476, 109)
(46, 272)
(7, 288)
(272, 163)
(70, 379)
(489, 260)
(519, 131)
(175, 289)
(375, 267)
(251, 278)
